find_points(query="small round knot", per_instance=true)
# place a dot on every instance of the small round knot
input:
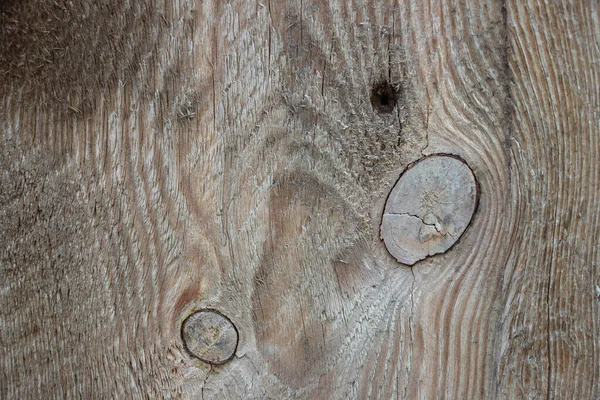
(210, 336)
(429, 208)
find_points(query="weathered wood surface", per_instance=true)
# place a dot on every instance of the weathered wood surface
(429, 208)
(159, 157)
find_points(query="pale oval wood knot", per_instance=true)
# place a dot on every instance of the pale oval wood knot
(429, 208)
(210, 336)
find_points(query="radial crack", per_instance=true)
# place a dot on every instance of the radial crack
(441, 232)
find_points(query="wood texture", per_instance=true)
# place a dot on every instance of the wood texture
(210, 336)
(429, 208)
(162, 156)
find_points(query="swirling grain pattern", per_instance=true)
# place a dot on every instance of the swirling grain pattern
(164, 156)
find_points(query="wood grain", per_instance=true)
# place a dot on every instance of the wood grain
(550, 320)
(210, 336)
(164, 156)
(429, 208)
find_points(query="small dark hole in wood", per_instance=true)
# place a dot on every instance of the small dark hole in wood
(383, 97)
(6, 5)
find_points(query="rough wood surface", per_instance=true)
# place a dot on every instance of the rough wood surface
(163, 156)
(210, 336)
(429, 208)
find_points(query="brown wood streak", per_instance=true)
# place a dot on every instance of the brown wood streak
(226, 156)
(550, 320)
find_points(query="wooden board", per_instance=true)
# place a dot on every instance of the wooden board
(163, 156)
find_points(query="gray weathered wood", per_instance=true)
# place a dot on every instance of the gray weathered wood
(429, 208)
(163, 156)
(210, 336)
